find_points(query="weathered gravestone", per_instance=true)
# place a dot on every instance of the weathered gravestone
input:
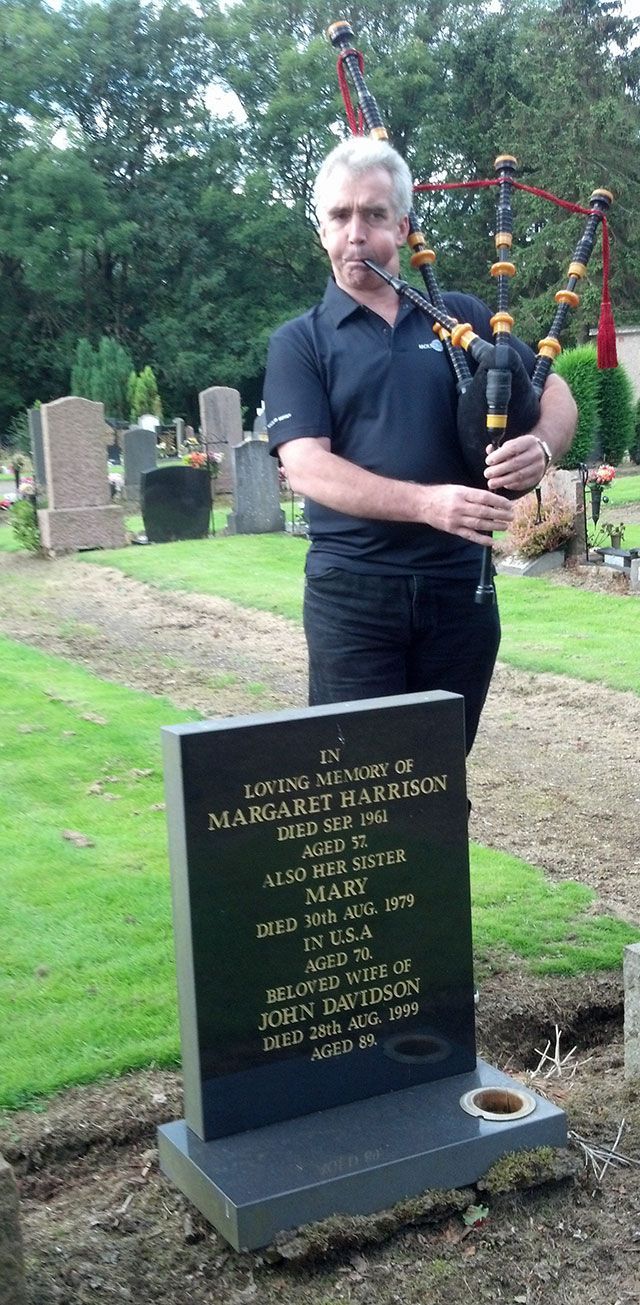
(221, 428)
(320, 873)
(180, 434)
(175, 504)
(79, 512)
(139, 449)
(37, 449)
(256, 496)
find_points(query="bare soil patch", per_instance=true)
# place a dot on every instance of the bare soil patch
(553, 779)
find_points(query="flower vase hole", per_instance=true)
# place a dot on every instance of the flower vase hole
(498, 1104)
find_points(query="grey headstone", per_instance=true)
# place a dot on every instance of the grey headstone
(260, 424)
(79, 513)
(257, 508)
(139, 450)
(631, 969)
(320, 875)
(180, 433)
(37, 448)
(12, 1283)
(220, 415)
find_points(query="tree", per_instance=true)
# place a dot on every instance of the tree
(579, 368)
(617, 415)
(145, 395)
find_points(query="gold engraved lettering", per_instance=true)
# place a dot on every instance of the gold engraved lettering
(370, 996)
(357, 775)
(270, 928)
(367, 974)
(393, 791)
(280, 878)
(274, 787)
(331, 824)
(395, 856)
(326, 869)
(332, 1049)
(274, 1041)
(355, 910)
(306, 830)
(323, 962)
(304, 988)
(274, 1019)
(342, 937)
(325, 847)
(328, 892)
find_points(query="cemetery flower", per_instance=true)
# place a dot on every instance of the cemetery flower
(602, 475)
(196, 460)
(204, 461)
(614, 531)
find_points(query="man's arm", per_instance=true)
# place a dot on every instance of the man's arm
(520, 463)
(317, 473)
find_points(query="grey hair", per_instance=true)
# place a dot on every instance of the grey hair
(360, 154)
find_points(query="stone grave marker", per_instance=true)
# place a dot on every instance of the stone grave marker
(37, 449)
(180, 434)
(175, 503)
(139, 449)
(79, 513)
(221, 428)
(256, 496)
(320, 875)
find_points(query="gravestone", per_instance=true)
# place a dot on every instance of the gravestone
(79, 512)
(139, 448)
(180, 434)
(256, 496)
(260, 423)
(175, 503)
(221, 428)
(320, 876)
(37, 449)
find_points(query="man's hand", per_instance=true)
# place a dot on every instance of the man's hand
(471, 513)
(517, 465)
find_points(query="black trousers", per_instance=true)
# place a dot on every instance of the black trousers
(374, 636)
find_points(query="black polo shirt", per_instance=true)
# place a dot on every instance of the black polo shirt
(386, 398)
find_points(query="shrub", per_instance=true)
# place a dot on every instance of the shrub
(579, 368)
(635, 447)
(617, 417)
(530, 537)
(24, 524)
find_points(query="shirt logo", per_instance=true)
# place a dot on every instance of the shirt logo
(274, 421)
(433, 344)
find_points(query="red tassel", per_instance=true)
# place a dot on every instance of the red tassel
(607, 352)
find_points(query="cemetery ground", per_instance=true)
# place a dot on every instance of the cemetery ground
(553, 779)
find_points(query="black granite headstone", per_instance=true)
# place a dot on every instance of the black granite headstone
(175, 504)
(320, 874)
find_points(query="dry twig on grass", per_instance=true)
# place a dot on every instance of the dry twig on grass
(600, 1157)
(557, 1063)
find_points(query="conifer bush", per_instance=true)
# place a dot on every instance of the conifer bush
(579, 368)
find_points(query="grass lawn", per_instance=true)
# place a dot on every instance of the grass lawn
(87, 979)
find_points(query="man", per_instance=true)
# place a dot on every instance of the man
(361, 410)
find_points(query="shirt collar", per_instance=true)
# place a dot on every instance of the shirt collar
(339, 305)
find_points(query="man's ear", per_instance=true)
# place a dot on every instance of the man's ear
(403, 231)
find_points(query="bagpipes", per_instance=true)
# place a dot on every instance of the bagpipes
(499, 400)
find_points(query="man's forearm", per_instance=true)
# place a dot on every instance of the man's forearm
(313, 470)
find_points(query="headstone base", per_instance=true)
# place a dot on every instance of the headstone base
(65, 530)
(353, 1159)
(243, 523)
(514, 564)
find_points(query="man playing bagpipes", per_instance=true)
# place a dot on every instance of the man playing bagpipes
(363, 411)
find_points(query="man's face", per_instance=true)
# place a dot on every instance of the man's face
(359, 222)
